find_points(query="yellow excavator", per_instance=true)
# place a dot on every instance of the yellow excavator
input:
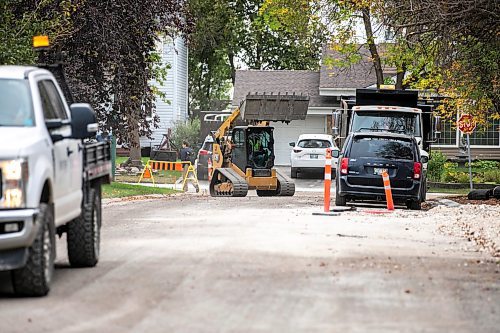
(243, 156)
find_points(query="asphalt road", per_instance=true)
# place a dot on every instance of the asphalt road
(192, 263)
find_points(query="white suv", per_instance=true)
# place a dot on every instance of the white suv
(309, 153)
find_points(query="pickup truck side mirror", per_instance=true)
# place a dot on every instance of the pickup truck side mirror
(83, 121)
(292, 144)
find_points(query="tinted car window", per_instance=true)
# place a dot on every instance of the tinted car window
(382, 147)
(15, 103)
(314, 143)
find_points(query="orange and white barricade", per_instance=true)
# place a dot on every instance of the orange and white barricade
(151, 166)
(388, 191)
(328, 179)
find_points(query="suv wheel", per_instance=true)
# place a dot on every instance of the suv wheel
(339, 201)
(34, 278)
(84, 233)
(414, 205)
(293, 172)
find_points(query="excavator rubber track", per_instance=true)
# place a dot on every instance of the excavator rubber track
(286, 186)
(227, 183)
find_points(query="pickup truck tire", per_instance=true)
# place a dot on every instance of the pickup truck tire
(293, 172)
(35, 277)
(84, 233)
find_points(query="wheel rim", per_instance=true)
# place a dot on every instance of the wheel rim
(95, 224)
(47, 254)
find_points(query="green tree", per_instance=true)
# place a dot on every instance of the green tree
(242, 31)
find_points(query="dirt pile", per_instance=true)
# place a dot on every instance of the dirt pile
(477, 223)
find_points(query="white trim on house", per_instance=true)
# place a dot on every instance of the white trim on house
(321, 110)
(337, 91)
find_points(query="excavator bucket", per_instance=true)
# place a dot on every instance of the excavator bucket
(274, 107)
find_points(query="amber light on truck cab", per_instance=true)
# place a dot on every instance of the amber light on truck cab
(15, 175)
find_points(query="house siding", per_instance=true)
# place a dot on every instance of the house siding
(175, 87)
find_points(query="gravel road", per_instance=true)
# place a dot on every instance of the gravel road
(192, 263)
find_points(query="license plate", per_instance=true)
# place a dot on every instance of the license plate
(379, 171)
(314, 156)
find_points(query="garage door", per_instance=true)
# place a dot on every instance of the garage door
(284, 134)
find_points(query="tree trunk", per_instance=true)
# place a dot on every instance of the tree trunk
(400, 77)
(230, 56)
(135, 146)
(370, 40)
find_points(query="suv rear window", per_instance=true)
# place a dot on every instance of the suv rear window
(314, 143)
(382, 147)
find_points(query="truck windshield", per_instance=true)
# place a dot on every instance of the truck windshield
(15, 103)
(387, 121)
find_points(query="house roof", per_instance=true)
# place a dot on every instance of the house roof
(358, 75)
(280, 81)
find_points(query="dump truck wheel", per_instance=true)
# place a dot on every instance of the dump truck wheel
(84, 233)
(34, 278)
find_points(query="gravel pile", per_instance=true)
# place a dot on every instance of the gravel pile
(477, 223)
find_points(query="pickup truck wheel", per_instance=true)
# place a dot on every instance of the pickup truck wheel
(35, 277)
(84, 233)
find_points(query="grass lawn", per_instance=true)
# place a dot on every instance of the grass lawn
(119, 190)
(462, 191)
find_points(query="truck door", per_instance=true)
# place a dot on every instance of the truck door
(66, 202)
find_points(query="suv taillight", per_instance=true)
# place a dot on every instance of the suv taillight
(417, 170)
(344, 165)
(295, 150)
(204, 152)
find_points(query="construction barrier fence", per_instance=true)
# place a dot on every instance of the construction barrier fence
(153, 166)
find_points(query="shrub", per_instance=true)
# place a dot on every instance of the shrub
(435, 168)
(188, 131)
(455, 177)
(491, 176)
(484, 165)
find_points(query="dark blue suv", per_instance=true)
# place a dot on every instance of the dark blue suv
(366, 155)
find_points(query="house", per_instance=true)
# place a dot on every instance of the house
(174, 106)
(325, 88)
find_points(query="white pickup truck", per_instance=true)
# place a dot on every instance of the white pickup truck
(50, 179)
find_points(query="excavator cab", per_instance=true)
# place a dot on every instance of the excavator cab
(253, 147)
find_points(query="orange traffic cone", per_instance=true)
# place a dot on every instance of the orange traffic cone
(147, 173)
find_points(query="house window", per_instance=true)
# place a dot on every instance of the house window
(487, 136)
(448, 134)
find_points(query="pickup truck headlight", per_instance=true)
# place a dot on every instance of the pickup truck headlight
(14, 178)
